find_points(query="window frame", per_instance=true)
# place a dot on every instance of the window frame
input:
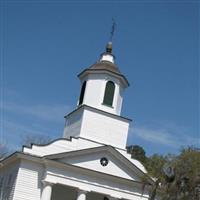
(108, 99)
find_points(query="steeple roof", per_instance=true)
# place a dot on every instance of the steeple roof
(106, 63)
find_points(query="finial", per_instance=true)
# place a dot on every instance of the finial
(109, 47)
(108, 56)
(109, 44)
(112, 29)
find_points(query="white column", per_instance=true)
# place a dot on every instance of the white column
(81, 195)
(46, 192)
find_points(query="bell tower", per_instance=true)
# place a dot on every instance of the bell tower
(97, 116)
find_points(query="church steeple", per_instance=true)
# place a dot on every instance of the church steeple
(98, 113)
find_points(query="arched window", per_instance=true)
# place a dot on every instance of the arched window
(109, 93)
(82, 93)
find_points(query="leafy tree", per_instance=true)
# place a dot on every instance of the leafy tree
(154, 165)
(177, 177)
(185, 168)
(137, 152)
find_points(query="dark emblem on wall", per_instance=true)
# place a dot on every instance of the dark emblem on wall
(104, 162)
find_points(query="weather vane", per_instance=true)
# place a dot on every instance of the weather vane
(112, 29)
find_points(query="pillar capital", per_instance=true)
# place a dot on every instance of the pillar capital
(82, 191)
(47, 190)
(45, 183)
(81, 194)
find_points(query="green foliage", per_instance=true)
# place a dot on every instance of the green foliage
(137, 152)
(185, 182)
(154, 166)
(187, 168)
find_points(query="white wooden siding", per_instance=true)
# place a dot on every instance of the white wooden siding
(8, 176)
(28, 184)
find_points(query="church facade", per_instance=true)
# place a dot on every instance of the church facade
(90, 161)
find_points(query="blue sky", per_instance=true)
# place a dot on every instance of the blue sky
(45, 44)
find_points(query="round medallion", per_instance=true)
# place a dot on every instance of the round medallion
(104, 161)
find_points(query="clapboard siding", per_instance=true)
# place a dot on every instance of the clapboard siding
(8, 186)
(13, 185)
(28, 184)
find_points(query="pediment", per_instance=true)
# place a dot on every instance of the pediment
(103, 159)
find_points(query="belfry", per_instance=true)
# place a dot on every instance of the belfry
(90, 161)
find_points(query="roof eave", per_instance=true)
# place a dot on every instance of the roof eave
(122, 77)
(17, 156)
(84, 106)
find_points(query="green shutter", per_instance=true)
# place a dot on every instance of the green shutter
(109, 93)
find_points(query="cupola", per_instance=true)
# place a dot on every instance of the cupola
(103, 84)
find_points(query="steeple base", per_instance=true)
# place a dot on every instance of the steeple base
(97, 125)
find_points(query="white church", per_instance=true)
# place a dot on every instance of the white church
(90, 161)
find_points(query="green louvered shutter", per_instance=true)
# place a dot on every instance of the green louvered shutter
(109, 93)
